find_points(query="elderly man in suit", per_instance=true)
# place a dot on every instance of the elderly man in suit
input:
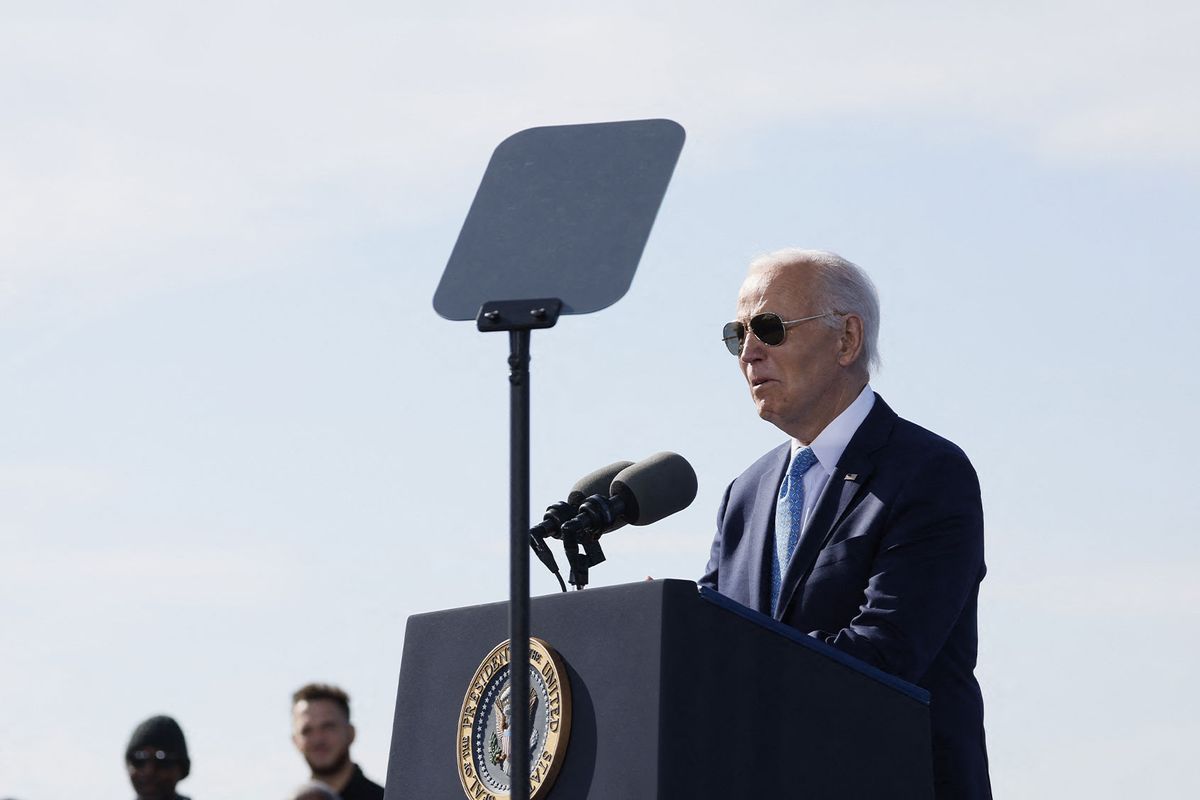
(864, 530)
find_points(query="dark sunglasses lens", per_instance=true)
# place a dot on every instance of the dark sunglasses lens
(733, 333)
(768, 328)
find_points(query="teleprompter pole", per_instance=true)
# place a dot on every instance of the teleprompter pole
(518, 599)
(519, 317)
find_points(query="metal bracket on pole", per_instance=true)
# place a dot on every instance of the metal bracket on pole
(511, 315)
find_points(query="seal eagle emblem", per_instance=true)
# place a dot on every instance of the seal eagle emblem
(485, 723)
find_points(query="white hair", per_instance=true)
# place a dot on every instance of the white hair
(845, 289)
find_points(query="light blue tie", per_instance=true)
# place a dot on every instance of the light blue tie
(789, 518)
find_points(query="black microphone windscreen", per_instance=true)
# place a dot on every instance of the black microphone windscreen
(660, 485)
(597, 482)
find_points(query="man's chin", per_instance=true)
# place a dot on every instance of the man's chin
(771, 414)
(766, 411)
(153, 792)
(329, 767)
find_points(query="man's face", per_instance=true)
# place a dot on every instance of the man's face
(322, 734)
(797, 385)
(154, 777)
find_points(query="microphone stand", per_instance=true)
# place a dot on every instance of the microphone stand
(574, 538)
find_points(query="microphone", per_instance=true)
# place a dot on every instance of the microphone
(646, 492)
(594, 482)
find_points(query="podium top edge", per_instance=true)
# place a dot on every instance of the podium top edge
(899, 684)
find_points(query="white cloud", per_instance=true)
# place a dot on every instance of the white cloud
(47, 483)
(150, 146)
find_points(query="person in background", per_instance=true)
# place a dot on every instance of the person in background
(157, 759)
(322, 732)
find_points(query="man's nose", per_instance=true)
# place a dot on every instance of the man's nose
(752, 348)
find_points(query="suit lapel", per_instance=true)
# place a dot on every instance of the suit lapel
(762, 527)
(849, 476)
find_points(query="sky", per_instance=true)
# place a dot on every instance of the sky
(239, 448)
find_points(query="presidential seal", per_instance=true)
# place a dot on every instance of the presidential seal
(485, 724)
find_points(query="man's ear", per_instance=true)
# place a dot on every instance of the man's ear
(353, 733)
(850, 344)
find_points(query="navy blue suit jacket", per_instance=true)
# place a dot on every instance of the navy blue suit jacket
(887, 570)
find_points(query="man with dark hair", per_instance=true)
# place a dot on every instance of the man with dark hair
(323, 734)
(157, 759)
(862, 530)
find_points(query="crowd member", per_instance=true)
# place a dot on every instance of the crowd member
(157, 759)
(863, 530)
(323, 733)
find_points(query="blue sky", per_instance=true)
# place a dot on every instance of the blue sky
(240, 448)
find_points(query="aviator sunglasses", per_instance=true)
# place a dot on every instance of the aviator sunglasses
(768, 328)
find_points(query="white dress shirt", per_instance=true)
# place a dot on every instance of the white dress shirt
(829, 446)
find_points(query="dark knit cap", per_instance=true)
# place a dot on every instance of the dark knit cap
(163, 733)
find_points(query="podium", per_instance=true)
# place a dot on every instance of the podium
(676, 692)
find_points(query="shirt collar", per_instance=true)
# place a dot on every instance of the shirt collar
(831, 442)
